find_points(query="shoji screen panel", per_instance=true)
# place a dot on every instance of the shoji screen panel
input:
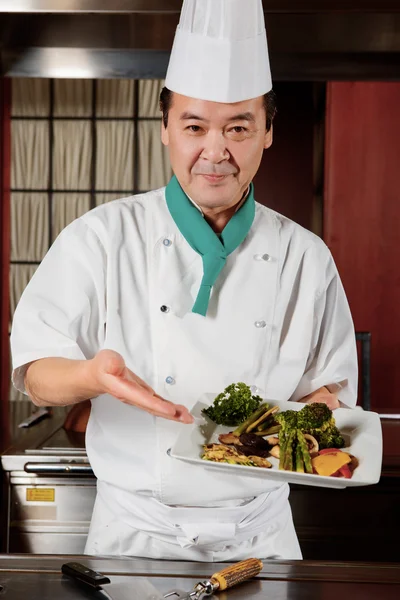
(76, 144)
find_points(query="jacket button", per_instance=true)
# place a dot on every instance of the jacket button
(170, 380)
(260, 324)
(265, 257)
(167, 242)
(165, 309)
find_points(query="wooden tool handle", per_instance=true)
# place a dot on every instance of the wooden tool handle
(246, 569)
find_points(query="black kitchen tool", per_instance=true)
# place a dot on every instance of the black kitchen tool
(84, 574)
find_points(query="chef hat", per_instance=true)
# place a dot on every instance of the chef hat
(220, 51)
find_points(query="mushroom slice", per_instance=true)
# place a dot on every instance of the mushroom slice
(228, 438)
(260, 462)
(312, 443)
(273, 441)
(275, 451)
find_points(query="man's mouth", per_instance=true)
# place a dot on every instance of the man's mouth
(215, 178)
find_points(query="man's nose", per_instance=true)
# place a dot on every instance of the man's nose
(215, 149)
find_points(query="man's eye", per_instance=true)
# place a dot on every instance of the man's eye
(194, 128)
(239, 129)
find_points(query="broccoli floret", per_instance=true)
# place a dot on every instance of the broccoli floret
(233, 406)
(314, 416)
(331, 438)
(287, 419)
(318, 420)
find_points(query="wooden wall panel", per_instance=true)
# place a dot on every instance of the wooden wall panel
(362, 219)
(285, 179)
(5, 161)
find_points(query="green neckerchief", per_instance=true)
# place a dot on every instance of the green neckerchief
(200, 236)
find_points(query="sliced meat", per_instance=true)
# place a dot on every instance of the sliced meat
(255, 441)
(251, 451)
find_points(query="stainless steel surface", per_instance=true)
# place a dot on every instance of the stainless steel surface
(65, 63)
(392, 416)
(340, 572)
(57, 587)
(287, 34)
(61, 63)
(59, 468)
(304, 44)
(39, 542)
(49, 488)
(200, 591)
(40, 578)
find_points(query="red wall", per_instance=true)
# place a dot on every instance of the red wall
(362, 219)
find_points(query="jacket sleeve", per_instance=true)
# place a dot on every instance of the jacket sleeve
(62, 310)
(332, 359)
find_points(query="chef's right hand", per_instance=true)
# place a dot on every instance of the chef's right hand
(112, 376)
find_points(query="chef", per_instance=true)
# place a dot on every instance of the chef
(150, 304)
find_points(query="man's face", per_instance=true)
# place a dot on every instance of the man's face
(216, 149)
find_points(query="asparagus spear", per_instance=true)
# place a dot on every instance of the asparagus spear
(299, 460)
(305, 452)
(282, 449)
(289, 450)
(269, 431)
(262, 418)
(266, 423)
(252, 418)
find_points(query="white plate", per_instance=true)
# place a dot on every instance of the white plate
(361, 430)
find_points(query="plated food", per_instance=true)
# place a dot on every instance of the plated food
(360, 430)
(304, 441)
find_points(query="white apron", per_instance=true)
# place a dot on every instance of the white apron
(278, 320)
(261, 527)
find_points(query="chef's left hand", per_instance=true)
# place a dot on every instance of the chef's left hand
(324, 396)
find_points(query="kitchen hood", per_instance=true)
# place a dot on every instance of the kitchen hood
(314, 40)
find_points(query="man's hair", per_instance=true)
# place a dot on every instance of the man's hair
(166, 98)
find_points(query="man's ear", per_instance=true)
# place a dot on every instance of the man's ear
(268, 138)
(164, 134)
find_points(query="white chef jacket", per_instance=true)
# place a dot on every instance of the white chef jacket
(278, 319)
